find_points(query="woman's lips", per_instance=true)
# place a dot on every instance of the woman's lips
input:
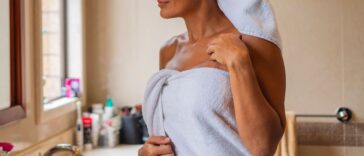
(162, 2)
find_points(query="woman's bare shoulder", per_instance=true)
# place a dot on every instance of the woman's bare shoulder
(168, 50)
(259, 44)
(171, 44)
(263, 51)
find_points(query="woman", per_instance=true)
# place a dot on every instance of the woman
(221, 87)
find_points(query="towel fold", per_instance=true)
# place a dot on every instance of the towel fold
(252, 17)
(152, 109)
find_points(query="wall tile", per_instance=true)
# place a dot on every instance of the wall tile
(353, 48)
(330, 134)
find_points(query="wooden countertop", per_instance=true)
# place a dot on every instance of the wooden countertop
(120, 150)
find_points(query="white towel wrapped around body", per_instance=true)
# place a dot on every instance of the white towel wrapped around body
(194, 108)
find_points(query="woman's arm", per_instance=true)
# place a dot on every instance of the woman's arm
(257, 80)
(258, 87)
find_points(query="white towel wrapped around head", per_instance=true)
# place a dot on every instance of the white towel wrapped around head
(252, 17)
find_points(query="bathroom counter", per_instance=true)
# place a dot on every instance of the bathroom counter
(120, 150)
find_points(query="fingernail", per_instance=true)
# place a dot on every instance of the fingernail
(166, 139)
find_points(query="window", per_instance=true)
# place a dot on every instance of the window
(60, 50)
(53, 49)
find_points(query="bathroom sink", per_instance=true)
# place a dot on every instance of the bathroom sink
(64, 149)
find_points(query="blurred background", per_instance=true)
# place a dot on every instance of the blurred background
(101, 53)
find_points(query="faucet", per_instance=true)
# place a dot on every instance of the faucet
(76, 151)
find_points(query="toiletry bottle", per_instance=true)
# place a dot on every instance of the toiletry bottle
(103, 138)
(87, 131)
(96, 124)
(79, 127)
(109, 110)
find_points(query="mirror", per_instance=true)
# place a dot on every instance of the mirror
(4, 54)
(12, 107)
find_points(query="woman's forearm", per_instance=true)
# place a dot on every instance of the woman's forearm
(258, 123)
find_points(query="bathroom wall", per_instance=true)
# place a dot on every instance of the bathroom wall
(324, 56)
(322, 47)
(27, 133)
(122, 47)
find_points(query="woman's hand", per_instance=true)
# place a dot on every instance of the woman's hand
(157, 146)
(228, 49)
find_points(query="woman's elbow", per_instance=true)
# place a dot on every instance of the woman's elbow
(266, 149)
(270, 147)
(274, 141)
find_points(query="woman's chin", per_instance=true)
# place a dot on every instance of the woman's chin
(166, 15)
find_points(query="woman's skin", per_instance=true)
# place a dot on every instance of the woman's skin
(255, 66)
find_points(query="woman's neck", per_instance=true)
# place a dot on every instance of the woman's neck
(205, 21)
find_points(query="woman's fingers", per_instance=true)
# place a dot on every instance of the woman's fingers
(156, 150)
(213, 51)
(158, 140)
(163, 150)
(210, 49)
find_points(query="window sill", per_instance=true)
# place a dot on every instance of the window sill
(58, 108)
(11, 115)
(59, 103)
